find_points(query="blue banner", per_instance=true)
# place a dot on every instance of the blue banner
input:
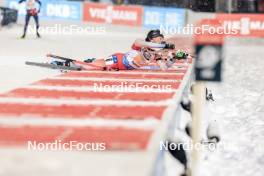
(52, 9)
(156, 17)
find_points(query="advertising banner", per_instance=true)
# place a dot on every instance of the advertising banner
(121, 15)
(245, 24)
(52, 9)
(156, 17)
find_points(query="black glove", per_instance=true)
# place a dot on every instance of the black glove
(169, 46)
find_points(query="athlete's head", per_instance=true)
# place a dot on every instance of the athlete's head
(155, 36)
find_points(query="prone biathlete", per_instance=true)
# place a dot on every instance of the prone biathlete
(31, 11)
(145, 54)
(142, 56)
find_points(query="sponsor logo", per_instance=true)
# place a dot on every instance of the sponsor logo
(152, 18)
(156, 17)
(70, 11)
(246, 24)
(52, 9)
(128, 15)
(109, 14)
(115, 59)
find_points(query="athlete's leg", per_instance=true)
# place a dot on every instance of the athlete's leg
(27, 18)
(100, 62)
(36, 18)
(113, 62)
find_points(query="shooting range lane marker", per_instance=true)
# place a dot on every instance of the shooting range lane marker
(113, 138)
(69, 82)
(92, 89)
(98, 102)
(13, 121)
(81, 111)
(117, 79)
(136, 75)
(82, 95)
(178, 69)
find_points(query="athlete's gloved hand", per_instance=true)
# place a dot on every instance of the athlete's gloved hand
(169, 46)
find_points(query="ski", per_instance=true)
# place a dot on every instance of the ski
(52, 66)
(83, 65)
(61, 58)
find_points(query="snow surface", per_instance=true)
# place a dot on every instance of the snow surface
(15, 51)
(239, 110)
(238, 106)
(14, 73)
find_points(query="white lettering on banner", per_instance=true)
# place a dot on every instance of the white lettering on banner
(96, 12)
(124, 15)
(257, 25)
(245, 24)
(152, 18)
(171, 19)
(58, 10)
(109, 14)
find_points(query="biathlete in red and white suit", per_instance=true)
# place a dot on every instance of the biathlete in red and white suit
(141, 56)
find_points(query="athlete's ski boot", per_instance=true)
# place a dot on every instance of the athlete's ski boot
(38, 35)
(61, 63)
(23, 36)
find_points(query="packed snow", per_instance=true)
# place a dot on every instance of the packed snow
(238, 107)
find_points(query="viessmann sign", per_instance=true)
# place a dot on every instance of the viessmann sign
(103, 13)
